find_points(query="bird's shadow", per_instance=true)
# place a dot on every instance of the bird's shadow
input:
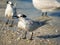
(49, 36)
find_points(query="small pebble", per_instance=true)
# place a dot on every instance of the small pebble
(9, 41)
(18, 38)
(4, 31)
(56, 30)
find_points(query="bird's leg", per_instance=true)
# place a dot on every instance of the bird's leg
(42, 13)
(7, 21)
(45, 14)
(12, 23)
(25, 35)
(31, 36)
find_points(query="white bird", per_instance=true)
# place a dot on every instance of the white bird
(46, 5)
(27, 24)
(10, 11)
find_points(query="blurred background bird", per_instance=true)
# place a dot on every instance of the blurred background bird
(46, 5)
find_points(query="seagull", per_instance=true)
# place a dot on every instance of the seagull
(26, 24)
(46, 5)
(10, 11)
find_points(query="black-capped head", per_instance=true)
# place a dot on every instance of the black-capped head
(22, 15)
(9, 2)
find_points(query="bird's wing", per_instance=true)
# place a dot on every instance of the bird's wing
(29, 21)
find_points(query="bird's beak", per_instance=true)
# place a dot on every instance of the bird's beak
(16, 16)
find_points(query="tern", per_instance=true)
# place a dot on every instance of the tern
(27, 24)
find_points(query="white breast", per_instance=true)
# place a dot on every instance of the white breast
(9, 11)
(24, 24)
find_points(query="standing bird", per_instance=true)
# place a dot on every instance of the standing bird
(46, 5)
(27, 24)
(10, 11)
